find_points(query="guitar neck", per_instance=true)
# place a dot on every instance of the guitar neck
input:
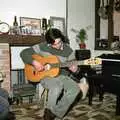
(92, 61)
(69, 63)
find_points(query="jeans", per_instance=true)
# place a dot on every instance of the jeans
(4, 93)
(60, 85)
(4, 108)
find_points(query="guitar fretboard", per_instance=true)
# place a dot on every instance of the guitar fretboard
(68, 64)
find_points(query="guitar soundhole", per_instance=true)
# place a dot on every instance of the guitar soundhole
(34, 72)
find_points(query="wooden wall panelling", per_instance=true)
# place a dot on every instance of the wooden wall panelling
(97, 23)
(110, 23)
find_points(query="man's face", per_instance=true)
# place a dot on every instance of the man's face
(57, 44)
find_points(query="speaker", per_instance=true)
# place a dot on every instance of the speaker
(82, 54)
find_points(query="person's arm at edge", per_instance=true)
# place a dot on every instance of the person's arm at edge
(26, 55)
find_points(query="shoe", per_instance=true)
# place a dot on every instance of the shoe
(11, 116)
(39, 118)
(48, 115)
(83, 87)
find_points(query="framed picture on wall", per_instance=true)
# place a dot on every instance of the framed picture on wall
(30, 26)
(59, 23)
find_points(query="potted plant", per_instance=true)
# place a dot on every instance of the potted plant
(82, 36)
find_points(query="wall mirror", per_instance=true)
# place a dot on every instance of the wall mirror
(107, 25)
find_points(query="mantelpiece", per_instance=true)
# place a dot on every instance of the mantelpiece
(20, 40)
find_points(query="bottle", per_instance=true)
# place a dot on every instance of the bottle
(15, 25)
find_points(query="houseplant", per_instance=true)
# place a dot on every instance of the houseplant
(81, 36)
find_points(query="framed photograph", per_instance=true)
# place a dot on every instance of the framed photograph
(59, 23)
(30, 26)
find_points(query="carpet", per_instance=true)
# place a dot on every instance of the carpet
(104, 110)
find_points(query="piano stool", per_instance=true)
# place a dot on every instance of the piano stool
(105, 84)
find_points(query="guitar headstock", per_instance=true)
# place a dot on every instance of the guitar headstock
(93, 61)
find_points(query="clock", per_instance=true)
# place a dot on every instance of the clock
(4, 28)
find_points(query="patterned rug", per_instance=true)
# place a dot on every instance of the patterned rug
(81, 111)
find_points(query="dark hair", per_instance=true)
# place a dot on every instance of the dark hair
(54, 33)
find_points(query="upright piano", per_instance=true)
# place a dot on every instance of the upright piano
(108, 80)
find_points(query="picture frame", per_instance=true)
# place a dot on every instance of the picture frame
(30, 26)
(59, 23)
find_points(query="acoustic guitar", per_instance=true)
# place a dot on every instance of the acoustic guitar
(35, 76)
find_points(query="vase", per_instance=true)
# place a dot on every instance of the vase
(82, 46)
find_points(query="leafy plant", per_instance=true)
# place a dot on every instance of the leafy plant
(82, 36)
